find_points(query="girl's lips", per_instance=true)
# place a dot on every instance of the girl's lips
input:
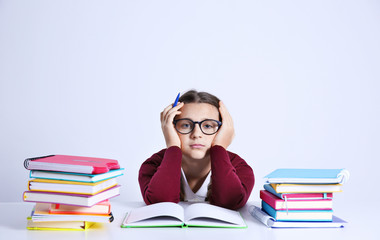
(196, 146)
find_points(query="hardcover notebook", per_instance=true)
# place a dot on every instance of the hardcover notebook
(58, 226)
(77, 177)
(293, 175)
(298, 196)
(71, 199)
(101, 208)
(297, 215)
(306, 188)
(41, 214)
(269, 221)
(75, 164)
(280, 204)
(168, 214)
(47, 185)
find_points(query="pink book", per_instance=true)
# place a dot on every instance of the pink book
(74, 164)
(291, 204)
(71, 199)
(102, 208)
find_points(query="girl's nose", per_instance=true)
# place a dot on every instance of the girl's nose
(196, 131)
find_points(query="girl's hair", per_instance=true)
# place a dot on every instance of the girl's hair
(194, 96)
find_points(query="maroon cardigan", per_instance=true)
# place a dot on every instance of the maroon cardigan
(231, 177)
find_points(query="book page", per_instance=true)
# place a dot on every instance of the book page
(164, 209)
(202, 211)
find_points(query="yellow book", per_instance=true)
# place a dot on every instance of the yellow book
(59, 225)
(306, 188)
(48, 185)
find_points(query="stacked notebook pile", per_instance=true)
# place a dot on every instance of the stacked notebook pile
(71, 193)
(302, 197)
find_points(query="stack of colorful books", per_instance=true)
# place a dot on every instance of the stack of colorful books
(70, 192)
(303, 197)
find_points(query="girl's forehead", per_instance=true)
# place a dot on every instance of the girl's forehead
(199, 110)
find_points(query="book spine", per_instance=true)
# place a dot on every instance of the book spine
(270, 189)
(268, 209)
(264, 195)
(26, 161)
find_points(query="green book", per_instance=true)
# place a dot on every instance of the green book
(168, 214)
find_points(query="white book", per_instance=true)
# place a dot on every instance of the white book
(71, 199)
(269, 221)
(168, 214)
(47, 185)
(41, 214)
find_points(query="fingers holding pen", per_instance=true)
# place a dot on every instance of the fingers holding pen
(170, 134)
(170, 112)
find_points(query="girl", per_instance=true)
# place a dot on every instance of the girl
(196, 166)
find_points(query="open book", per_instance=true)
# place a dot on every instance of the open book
(168, 214)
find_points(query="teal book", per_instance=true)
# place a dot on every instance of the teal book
(76, 177)
(312, 176)
(298, 215)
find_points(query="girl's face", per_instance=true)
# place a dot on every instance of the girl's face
(196, 144)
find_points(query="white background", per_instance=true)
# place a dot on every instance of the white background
(90, 78)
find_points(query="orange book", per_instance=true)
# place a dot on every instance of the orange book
(102, 208)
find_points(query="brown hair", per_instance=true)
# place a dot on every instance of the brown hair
(194, 96)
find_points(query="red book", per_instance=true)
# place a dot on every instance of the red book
(291, 204)
(74, 164)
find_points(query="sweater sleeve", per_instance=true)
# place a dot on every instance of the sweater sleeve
(160, 176)
(232, 179)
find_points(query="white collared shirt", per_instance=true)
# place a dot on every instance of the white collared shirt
(200, 195)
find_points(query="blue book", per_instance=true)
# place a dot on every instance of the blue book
(312, 176)
(77, 177)
(298, 215)
(269, 221)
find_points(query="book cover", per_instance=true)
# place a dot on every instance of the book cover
(76, 164)
(269, 221)
(71, 199)
(76, 177)
(168, 214)
(100, 208)
(294, 175)
(298, 196)
(297, 215)
(306, 188)
(305, 204)
(49, 185)
(41, 214)
(58, 226)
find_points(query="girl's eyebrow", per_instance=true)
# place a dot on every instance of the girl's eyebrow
(199, 120)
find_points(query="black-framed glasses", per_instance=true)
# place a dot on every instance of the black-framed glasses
(207, 126)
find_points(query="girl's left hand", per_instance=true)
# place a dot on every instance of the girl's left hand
(226, 132)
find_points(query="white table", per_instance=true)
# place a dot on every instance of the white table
(13, 226)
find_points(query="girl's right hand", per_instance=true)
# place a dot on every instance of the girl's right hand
(167, 117)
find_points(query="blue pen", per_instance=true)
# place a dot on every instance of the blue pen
(176, 100)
